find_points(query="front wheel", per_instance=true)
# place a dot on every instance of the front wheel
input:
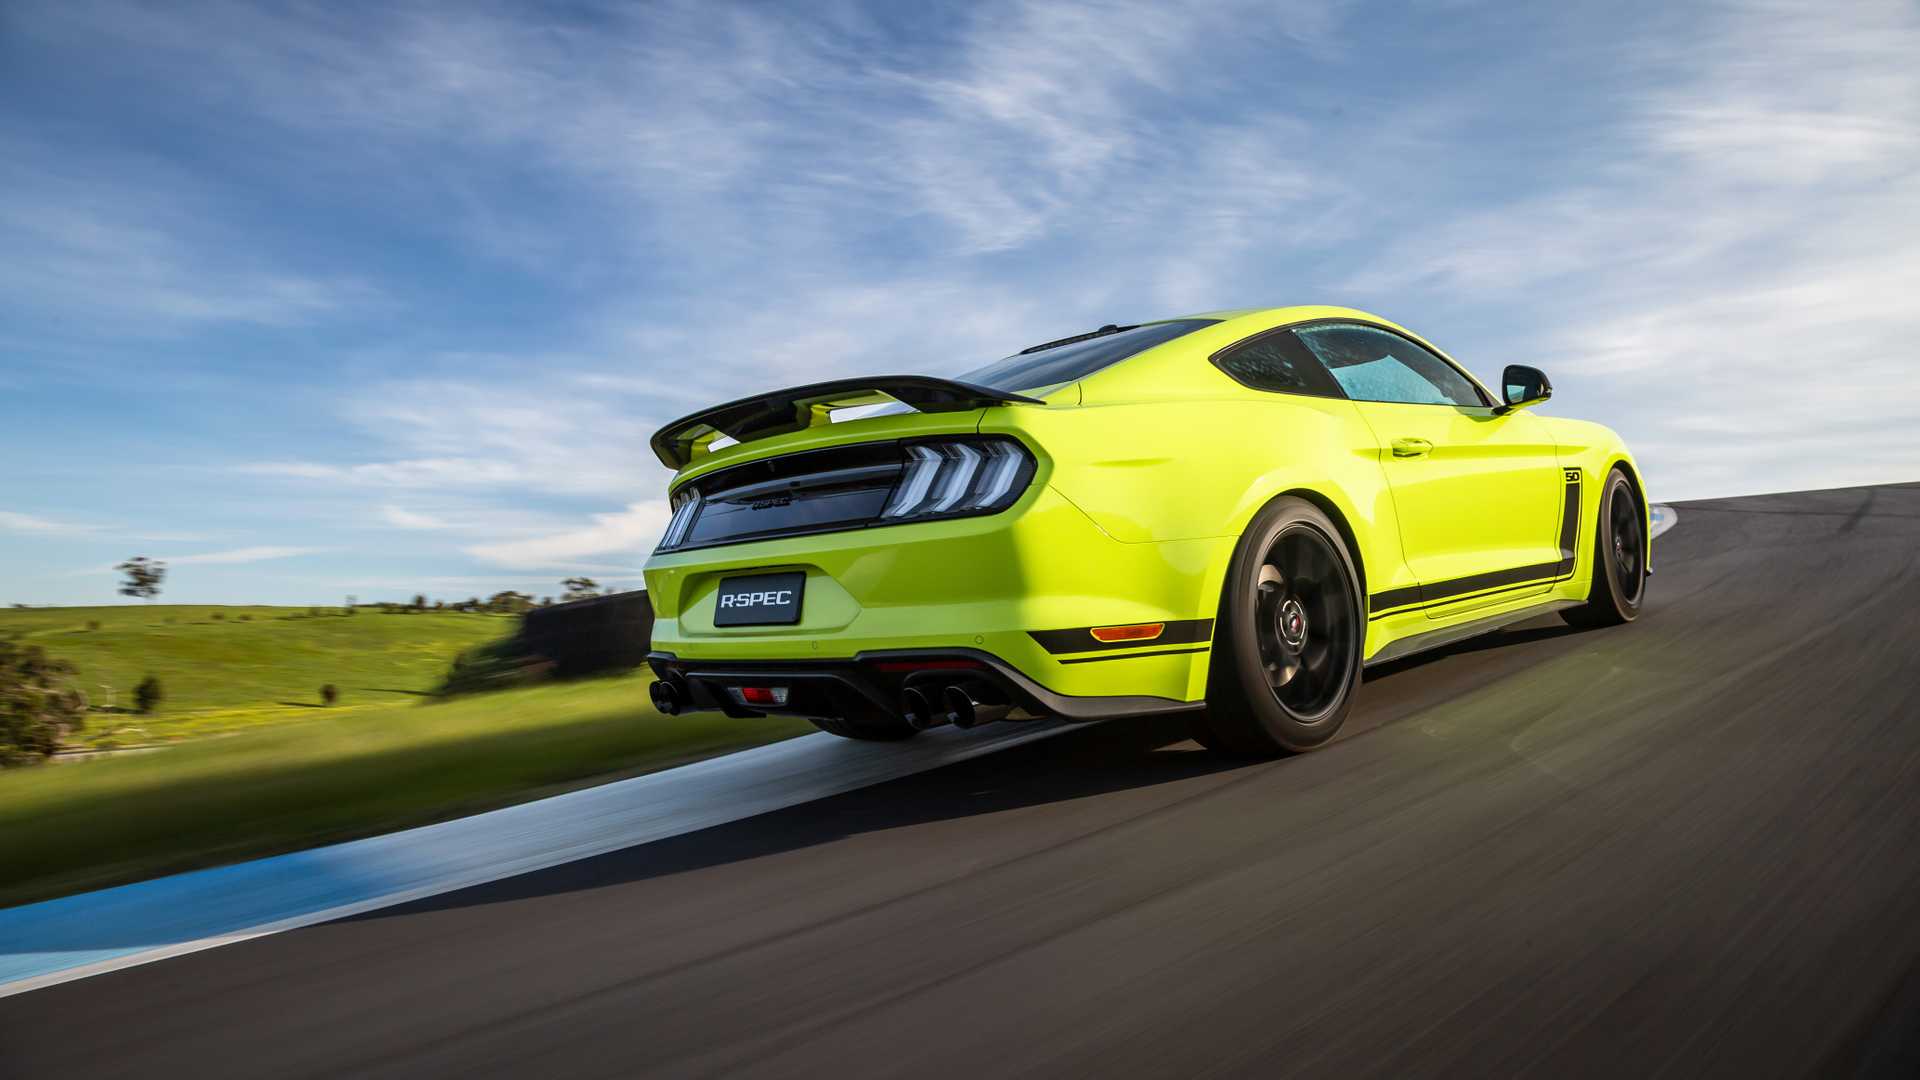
(1619, 559)
(1287, 647)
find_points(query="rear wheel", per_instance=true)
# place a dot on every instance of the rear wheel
(1619, 559)
(1287, 647)
(864, 730)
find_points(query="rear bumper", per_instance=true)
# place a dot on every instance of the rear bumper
(1011, 589)
(868, 686)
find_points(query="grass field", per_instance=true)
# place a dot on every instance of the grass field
(286, 774)
(347, 773)
(224, 669)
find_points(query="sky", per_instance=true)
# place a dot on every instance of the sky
(380, 299)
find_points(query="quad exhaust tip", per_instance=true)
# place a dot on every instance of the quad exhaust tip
(919, 711)
(965, 710)
(666, 697)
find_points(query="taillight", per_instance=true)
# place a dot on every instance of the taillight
(685, 505)
(949, 478)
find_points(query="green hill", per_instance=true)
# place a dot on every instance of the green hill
(228, 668)
(291, 774)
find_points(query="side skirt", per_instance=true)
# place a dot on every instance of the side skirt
(1447, 635)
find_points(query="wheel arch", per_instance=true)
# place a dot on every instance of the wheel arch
(1626, 466)
(1214, 593)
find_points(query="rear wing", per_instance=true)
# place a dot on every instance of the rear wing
(801, 407)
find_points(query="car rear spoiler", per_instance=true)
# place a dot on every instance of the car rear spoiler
(801, 407)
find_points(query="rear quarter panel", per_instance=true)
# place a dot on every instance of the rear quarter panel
(1202, 457)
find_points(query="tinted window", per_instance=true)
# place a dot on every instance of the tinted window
(1071, 363)
(1374, 365)
(1278, 363)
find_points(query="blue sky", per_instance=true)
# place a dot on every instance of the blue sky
(322, 300)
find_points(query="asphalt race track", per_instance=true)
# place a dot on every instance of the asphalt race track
(1687, 846)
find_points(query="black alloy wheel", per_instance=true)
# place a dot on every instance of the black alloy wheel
(1287, 644)
(1304, 621)
(1619, 558)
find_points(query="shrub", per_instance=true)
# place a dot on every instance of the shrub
(39, 705)
(218, 615)
(329, 694)
(147, 696)
(93, 624)
(245, 618)
(500, 665)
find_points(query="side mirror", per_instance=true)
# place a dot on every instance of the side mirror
(1523, 386)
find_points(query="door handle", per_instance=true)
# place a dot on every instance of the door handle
(1411, 448)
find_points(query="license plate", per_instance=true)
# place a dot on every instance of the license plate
(760, 600)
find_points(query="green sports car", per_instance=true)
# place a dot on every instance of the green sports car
(1228, 515)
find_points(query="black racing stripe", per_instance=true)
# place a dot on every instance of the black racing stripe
(1393, 598)
(1570, 518)
(1447, 592)
(1564, 569)
(1133, 655)
(1080, 638)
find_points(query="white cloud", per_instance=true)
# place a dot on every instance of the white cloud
(241, 555)
(117, 256)
(28, 523)
(401, 518)
(1732, 288)
(631, 532)
(260, 553)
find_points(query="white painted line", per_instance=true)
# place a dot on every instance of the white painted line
(58, 941)
(1664, 517)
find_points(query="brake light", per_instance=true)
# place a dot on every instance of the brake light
(950, 478)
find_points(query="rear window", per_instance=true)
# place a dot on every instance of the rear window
(1071, 363)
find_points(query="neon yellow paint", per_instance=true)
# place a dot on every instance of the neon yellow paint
(1149, 471)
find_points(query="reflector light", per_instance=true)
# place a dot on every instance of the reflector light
(759, 695)
(1132, 632)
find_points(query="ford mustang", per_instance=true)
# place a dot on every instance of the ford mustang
(1229, 515)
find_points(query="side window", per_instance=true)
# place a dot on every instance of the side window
(1374, 365)
(1278, 363)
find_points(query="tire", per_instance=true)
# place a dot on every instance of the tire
(865, 731)
(1286, 652)
(1619, 559)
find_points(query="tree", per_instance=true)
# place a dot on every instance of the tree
(329, 694)
(147, 695)
(39, 705)
(419, 601)
(580, 588)
(143, 577)
(509, 602)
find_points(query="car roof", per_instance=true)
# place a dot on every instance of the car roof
(1236, 323)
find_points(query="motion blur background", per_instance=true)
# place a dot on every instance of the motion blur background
(373, 298)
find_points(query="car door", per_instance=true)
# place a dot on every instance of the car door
(1478, 494)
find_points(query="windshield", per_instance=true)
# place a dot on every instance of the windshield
(1070, 363)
